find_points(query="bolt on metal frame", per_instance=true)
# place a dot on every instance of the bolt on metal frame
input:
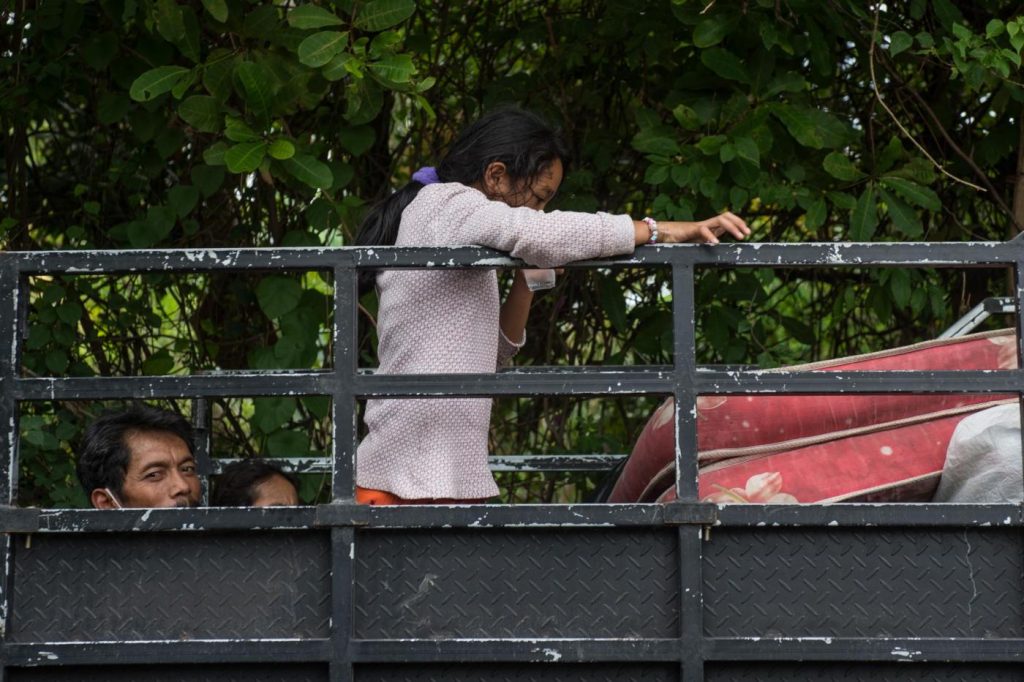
(701, 634)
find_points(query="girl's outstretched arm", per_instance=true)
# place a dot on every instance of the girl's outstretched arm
(703, 231)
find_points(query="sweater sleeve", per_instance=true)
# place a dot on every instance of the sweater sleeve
(466, 216)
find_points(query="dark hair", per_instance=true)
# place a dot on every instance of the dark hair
(522, 140)
(236, 486)
(104, 455)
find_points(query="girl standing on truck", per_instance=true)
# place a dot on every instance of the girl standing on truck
(490, 189)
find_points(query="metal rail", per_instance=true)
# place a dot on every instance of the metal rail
(686, 590)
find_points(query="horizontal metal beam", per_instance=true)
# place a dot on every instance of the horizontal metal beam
(589, 381)
(166, 652)
(497, 463)
(862, 649)
(856, 516)
(517, 650)
(811, 254)
(861, 515)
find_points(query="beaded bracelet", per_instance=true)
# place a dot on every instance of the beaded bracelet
(653, 224)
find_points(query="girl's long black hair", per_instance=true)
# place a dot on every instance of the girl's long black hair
(521, 140)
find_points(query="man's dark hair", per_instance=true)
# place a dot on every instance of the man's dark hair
(236, 486)
(104, 455)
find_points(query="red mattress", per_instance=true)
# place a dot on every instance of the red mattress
(822, 448)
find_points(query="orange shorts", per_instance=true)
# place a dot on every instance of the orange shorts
(368, 496)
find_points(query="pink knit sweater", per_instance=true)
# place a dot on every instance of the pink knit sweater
(446, 321)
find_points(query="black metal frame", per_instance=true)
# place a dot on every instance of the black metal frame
(688, 525)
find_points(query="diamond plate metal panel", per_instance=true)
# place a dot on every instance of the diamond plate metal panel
(173, 673)
(866, 672)
(565, 583)
(95, 587)
(603, 672)
(864, 583)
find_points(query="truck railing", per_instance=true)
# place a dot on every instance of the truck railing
(686, 590)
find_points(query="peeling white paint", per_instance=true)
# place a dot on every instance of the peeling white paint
(552, 654)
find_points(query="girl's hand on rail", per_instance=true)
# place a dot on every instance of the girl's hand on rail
(703, 231)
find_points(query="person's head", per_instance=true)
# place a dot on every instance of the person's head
(254, 483)
(510, 155)
(140, 457)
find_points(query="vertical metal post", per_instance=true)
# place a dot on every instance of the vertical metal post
(343, 400)
(201, 424)
(1018, 278)
(685, 368)
(691, 612)
(342, 585)
(13, 304)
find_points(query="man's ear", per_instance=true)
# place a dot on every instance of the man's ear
(496, 180)
(101, 499)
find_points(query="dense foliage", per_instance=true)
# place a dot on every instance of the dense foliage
(165, 123)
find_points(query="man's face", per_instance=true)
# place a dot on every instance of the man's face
(161, 473)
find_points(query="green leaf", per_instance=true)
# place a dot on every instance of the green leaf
(838, 165)
(816, 214)
(342, 65)
(258, 83)
(169, 21)
(237, 130)
(686, 117)
(900, 286)
(747, 149)
(270, 414)
(156, 82)
(69, 312)
(183, 198)
(725, 64)
(262, 23)
(218, 9)
(57, 361)
(111, 107)
(842, 200)
(278, 295)
(378, 15)
(904, 219)
(217, 70)
(900, 41)
(312, 16)
(288, 444)
(710, 32)
(188, 43)
(994, 28)
(357, 139)
(395, 68)
(202, 112)
(207, 179)
(281, 149)
(913, 192)
(158, 364)
(309, 170)
(384, 43)
(320, 48)
(711, 144)
(245, 157)
(655, 141)
(214, 154)
(864, 219)
(613, 302)
(811, 127)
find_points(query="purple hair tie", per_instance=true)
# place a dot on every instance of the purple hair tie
(426, 175)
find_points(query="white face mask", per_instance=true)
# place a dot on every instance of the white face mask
(113, 498)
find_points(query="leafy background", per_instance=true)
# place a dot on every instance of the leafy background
(234, 123)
